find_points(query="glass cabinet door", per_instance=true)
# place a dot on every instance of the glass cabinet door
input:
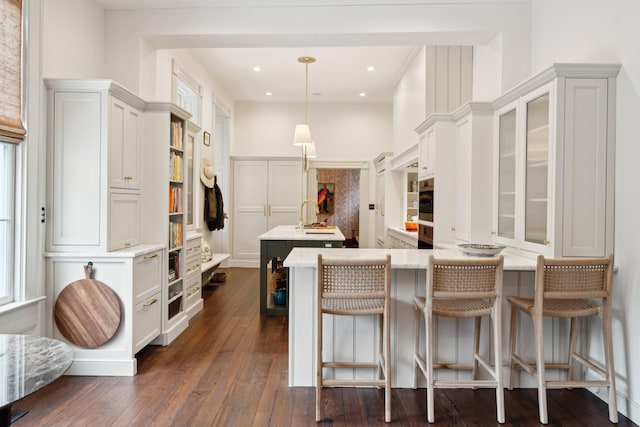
(537, 167)
(507, 174)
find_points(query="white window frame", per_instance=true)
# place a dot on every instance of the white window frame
(7, 222)
(186, 92)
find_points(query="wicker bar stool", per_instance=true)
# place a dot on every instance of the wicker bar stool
(459, 289)
(569, 288)
(355, 287)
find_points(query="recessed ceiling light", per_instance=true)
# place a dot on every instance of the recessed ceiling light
(371, 68)
(268, 94)
(363, 94)
(256, 68)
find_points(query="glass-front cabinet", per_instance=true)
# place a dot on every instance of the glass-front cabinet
(554, 151)
(506, 197)
(536, 173)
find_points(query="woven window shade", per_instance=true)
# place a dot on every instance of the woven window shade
(10, 69)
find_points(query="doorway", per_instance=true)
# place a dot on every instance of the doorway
(338, 193)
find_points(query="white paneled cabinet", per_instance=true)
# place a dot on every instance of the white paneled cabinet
(94, 132)
(193, 289)
(266, 193)
(437, 142)
(125, 145)
(554, 149)
(136, 277)
(473, 124)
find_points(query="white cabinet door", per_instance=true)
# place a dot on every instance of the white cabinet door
(125, 144)
(463, 180)
(380, 227)
(75, 167)
(426, 153)
(124, 220)
(250, 200)
(267, 193)
(285, 192)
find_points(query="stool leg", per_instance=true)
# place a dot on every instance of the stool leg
(387, 368)
(428, 326)
(496, 318)
(512, 344)
(476, 348)
(607, 339)
(381, 345)
(540, 369)
(416, 343)
(573, 338)
(319, 367)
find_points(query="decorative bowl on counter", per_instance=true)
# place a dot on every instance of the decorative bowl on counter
(480, 249)
(411, 226)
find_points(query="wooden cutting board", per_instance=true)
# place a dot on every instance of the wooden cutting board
(87, 312)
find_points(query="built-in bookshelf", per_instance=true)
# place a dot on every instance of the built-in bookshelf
(164, 209)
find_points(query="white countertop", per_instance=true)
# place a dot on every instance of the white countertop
(130, 252)
(404, 232)
(400, 258)
(290, 232)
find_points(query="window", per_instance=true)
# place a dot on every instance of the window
(7, 204)
(187, 93)
(12, 132)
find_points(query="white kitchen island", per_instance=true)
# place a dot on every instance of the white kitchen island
(351, 339)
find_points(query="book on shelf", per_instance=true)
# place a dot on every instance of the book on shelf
(175, 234)
(176, 134)
(175, 198)
(174, 266)
(175, 167)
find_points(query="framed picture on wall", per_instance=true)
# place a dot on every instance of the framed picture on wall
(206, 138)
(326, 196)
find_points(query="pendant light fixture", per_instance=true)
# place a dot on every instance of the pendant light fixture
(302, 135)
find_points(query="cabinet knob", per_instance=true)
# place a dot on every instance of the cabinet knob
(424, 168)
(453, 229)
(546, 242)
(493, 233)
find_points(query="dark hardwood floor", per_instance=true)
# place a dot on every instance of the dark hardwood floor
(230, 369)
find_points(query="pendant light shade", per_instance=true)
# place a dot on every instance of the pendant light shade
(302, 135)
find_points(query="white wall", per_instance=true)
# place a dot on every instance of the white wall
(605, 31)
(72, 39)
(341, 131)
(129, 33)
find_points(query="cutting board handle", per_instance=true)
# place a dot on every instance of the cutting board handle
(87, 270)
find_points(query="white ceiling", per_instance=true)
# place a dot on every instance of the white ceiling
(339, 75)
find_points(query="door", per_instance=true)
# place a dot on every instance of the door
(250, 200)
(285, 193)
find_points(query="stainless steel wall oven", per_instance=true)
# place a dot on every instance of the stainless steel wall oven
(425, 200)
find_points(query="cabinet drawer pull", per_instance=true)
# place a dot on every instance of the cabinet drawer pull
(148, 303)
(155, 255)
(189, 249)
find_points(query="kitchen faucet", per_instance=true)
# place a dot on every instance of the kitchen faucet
(302, 221)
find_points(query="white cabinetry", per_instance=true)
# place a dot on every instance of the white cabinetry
(411, 193)
(193, 288)
(266, 193)
(164, 217)
(474, 172)
(135, 275)
(554, 149)
(381, 164)
(400, 239)
(94, 132)
(438, 144)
